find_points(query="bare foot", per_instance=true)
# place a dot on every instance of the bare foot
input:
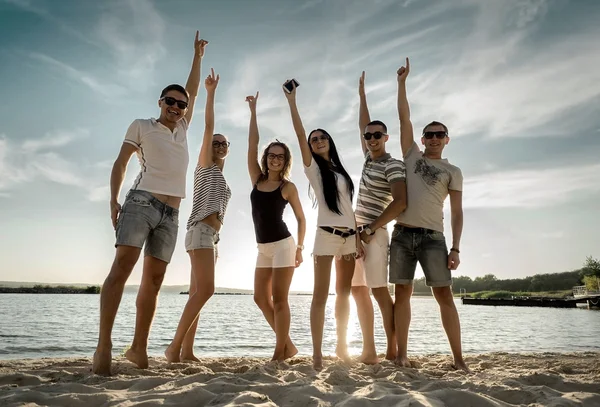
(369, 358)
(102, 361)
(172, 354)
(290, 350)
(138, 358)
(188, 357)
(392, 353)
(461, 365)
(318, 362)
(342, 353)
(403, 361)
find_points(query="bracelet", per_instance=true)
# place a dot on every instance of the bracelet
(455, 250)
(300, 246)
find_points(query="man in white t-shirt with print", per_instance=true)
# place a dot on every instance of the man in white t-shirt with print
(381, 198)
(418, 235)
(149, 214)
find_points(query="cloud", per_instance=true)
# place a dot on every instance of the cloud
(531, 188)
(54, 139)
(105, 89)
(133, 32)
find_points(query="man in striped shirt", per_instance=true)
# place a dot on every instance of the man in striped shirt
(381, 198)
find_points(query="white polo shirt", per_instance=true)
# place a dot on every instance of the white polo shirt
(163, 156)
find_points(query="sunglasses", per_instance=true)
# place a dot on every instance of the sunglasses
(437, 134)
(223, 144)
(317, 138)
(280, 157)
(171, 101)
(377, 135)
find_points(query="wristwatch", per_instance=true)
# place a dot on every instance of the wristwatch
(368, 231)
(300, 246)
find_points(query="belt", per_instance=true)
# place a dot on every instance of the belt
(338, 232)
(409, 229)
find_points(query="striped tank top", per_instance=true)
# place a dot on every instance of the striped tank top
(211, 194)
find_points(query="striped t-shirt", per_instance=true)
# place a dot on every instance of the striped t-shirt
(211, 194)
(375, 190)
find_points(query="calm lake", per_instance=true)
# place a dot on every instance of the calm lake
(51, 325)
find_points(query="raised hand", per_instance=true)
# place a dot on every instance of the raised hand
(199, 45)
(403, 71)
(252, 102)
(361, 85)
(291, 96)
(211, 81)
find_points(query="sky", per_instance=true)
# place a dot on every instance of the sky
(517, 82)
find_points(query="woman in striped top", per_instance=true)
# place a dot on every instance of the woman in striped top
(278, 254)
(211, 196)
(336, 230)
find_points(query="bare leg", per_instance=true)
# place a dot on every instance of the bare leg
(366, 318)
(152, 278)
(317, 306)
(451, 323)
(282, 278)
(402, 322)
(203, 267)
(187, 348)
(386, 305)
(110, 298)
(344, 268)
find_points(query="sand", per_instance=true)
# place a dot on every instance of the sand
(498, 379)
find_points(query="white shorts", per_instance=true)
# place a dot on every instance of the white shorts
(372, 271)
(328, 244)
(281, 253)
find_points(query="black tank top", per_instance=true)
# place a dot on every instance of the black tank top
(267, 214)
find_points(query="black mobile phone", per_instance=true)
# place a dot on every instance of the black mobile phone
(288, 85)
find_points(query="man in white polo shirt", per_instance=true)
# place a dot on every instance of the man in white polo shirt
(381, 198)
(418, 235)
(149, 214)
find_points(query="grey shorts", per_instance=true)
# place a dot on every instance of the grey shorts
(145, 219)
(426, 246)
(201, 236)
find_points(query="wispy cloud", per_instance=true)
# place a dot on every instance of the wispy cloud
(54, 139)
(531, 188)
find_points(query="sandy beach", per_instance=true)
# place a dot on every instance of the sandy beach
(498, 379)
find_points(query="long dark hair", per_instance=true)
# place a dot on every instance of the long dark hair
(287, 165)
(329, 171)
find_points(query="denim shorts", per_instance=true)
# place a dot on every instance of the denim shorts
(145, 219)
(201, 236)
(426, 246)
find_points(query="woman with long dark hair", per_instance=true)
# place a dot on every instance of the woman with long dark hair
(278, 254)
(211, 197)
(336, 230)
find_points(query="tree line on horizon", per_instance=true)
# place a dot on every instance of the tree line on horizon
(588, 275)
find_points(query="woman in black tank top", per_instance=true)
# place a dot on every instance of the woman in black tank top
(278, 254)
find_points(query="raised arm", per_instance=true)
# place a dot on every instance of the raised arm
(253, 139)
(193, 82)
(363, 113)
(298, 127)
(406, 127)
(290, 193)
(206, 151)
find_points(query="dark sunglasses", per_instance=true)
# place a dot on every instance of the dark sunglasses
(171, 101)
(377, 135)
(317, 138)
(437, 134)
(223, 144)
(280, 157)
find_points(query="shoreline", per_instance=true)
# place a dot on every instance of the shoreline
(498, 379)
